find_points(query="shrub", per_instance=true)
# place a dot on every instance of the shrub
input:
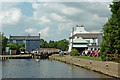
(103, 52)
(74, 52)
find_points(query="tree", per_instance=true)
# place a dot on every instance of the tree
(22, 46)
(111, 33)
(46, 45)
(55, 44)
(4, 42)
(51, 44)
(14, 46)
(62, 44)
(42, 45)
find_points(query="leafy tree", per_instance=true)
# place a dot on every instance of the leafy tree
(51, 44)
(55, 44)
(22, 46)
(111, 33)
(14, 46)
(62, 44)
(4, 42)
(0, 44)
(46, 45)
(42, 45)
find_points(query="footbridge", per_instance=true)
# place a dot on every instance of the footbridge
(44, 52)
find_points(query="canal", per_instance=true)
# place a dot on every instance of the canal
(30, 68)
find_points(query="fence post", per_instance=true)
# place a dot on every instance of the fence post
(118, 58)
(106, 57)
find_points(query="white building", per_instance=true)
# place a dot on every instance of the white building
(80, 39)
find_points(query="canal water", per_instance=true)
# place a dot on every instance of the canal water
(31, 68)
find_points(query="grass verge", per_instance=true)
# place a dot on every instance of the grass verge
(58, 56)
(86, 57)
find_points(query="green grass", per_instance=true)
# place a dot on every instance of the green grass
(86, 57)
(58, 56)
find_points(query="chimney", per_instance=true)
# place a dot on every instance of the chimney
(39, 35)
(76, 25)
(82, 26)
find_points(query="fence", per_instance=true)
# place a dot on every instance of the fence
(13, 52)
(113, 57)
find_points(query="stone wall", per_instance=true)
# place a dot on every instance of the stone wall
(108, 68)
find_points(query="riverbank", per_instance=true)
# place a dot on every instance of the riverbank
(107, 68)
(4, 57)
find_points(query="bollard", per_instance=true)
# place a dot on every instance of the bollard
(90, 62)
(106, 65)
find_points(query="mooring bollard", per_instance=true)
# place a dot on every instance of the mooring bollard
(90, 62)
(106, 65)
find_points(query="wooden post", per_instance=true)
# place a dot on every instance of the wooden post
(106, 57)
(118, 58)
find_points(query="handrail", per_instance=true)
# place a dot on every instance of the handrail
(113, 56)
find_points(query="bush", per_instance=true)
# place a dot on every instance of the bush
(14, 46)
(74, 52)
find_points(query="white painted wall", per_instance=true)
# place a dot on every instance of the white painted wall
(80, 46)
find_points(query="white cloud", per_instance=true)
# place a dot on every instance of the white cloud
(10, 16)
(58, 18)
(71, 11)
(44, 20)
(31, 30)
(65, 26)
(36, 6)
(45, 32)
(7, 5)
(41, 19)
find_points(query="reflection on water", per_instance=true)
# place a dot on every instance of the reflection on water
(31, 68)
(0, 70)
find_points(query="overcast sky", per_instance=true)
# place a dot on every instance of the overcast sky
(54, 20)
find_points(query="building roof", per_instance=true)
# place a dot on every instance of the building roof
(24, 37)
(79, 40)
(81, 32)
(86, 35)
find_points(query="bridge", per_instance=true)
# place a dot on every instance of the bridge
(44, 52)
